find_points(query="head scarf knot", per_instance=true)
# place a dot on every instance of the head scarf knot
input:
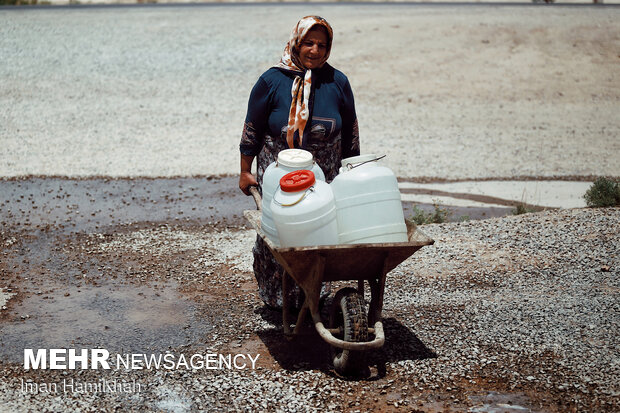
(302, 91)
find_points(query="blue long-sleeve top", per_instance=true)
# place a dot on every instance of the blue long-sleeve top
(333, 126)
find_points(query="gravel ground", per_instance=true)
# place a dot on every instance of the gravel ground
(162, 91)
(498, 314)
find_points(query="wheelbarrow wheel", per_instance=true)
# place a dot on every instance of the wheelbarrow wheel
(348, 313)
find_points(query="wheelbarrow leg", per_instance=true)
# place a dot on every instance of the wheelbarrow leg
(377, 289)
(312, 291)
(286, 323)
(360, 287)
(300, 319)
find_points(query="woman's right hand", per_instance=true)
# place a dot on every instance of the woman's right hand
(246, 180)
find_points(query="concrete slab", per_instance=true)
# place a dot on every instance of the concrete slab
(445, 200)
(551, 194)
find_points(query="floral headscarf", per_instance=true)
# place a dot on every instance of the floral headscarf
(301, 104)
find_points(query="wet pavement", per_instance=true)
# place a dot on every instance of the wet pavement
(75, 205)
(61, 293)
(129, 319)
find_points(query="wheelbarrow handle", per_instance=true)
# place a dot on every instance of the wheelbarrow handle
(256, 195)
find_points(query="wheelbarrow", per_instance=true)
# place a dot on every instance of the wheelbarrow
(348, 332)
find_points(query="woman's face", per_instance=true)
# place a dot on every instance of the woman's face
(313, 48)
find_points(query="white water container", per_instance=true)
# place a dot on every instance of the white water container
(289, 160)
(304, 211)
(368, 202)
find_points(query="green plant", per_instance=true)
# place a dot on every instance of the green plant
(603, 193)
(522, 208)
(438, 215)
(418, 217)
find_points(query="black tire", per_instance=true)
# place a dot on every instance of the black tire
(348, 311)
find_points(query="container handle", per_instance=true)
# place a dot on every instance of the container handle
(351, 166)
(311, 189)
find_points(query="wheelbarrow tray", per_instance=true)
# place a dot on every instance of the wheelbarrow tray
(345, 261)
(311, 266)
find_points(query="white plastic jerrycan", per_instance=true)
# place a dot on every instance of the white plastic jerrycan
(289, 160)
(304, 211)
(368, 202)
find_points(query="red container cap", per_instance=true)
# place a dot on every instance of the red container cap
(297, 180)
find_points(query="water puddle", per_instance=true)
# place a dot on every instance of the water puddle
(490, 402)
(495, 402)
(119, 318)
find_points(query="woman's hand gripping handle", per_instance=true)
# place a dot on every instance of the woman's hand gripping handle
(247, 182)
(246, 179)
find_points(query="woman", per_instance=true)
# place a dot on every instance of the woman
(302, 102)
